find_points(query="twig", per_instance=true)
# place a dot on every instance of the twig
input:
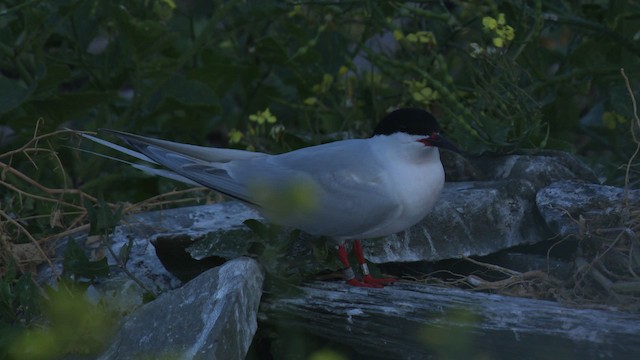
(123, 265)
(521, 278)
(494, 267)
(38, 197)
(34, 139)
(154, 201)
(633, 133)
(31, 238)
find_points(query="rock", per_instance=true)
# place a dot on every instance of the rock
(415, 321)
(150, 269)
(482, 217)
(471, 218)
(541, 168)
(604, 220)
(149, 264)
(211, 317)
(573, 209)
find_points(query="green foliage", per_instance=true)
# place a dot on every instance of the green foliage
(102, 219)
(20, 298)
(500, 75)
(74, 325)
(327, 354)
(36, 325)
(285, 262)
(77, 265)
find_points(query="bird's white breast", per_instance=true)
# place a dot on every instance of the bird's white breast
(414, 179)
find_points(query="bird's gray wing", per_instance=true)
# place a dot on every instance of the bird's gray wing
(347, 188)
(202, 165)
(200, 153)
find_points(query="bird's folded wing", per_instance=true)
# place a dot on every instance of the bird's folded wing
(350, 189)
(187, 163)
(144, 168)
(202, 153)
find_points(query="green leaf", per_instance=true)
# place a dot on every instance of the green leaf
(190, 92)
(272, 51)
(257, 227)
(144, 38)
(102, 219)
(20, 299)
(72, 105)
(125, 250)
(76, 263)
(55, 74)
(12, 94)
(221, 73)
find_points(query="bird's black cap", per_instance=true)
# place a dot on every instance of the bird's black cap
(412, 121)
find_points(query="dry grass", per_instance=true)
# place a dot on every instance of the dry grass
(67, 208)
(608, 261)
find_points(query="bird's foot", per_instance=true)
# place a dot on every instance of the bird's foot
(350, 279)
(381, 282)
(367, 281)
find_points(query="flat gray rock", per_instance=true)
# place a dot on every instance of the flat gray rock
(540, 168)
(141, 230)
(572, 208)
(211, 317)
(471, 218)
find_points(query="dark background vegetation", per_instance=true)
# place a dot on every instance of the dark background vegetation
(196, 71)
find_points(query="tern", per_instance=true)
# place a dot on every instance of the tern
(346, 190)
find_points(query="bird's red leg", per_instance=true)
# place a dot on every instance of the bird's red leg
(349, 276)
(366, 276)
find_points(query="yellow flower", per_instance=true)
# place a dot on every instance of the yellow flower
(501, 19)
(507, 32)
(611, 119)
(398, 35)
(310, 101)
(255, 118)
(235, 136)
(164, 9)
(425, 95)
(262, 117)
(427, 37)
(297, 10)
(421, 93)
(226, 44)
(422, 37)
(489, 23)
(504, 33)
(325, 85)
(271, 119)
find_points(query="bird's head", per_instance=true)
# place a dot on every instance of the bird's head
(417, 122)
